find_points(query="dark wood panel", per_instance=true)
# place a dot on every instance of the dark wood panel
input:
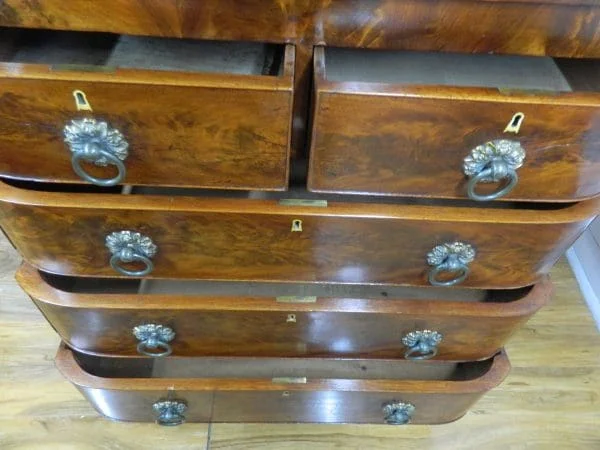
(246, 326)
(241, 239)
(568, 28)
(378, 139)
(237, 399)
(555, 27)
(335, 406)
(212, 131)
(471, 26)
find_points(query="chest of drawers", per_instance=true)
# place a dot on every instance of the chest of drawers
(294, 211)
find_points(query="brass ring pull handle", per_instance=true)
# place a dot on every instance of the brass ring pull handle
(493, 162)
(93, 154)
(144, 348)
(154, 340)
(128, 256)
(510, 181)
(452, 257)
(398, 413)
(127, 247)
(169, 412)
(422, 344)
(97, 143)
(453, 265)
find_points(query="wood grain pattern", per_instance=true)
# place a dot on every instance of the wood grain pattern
(376, 139)
(317, 400)
(204, 130)
(237, 239)
(546, 401)
(249, 326)
(567, 28)
(54, 415)
(556, 27)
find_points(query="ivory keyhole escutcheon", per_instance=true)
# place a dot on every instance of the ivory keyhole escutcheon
(296, 226)
(514, 125)
(81, 101)
(291, 318)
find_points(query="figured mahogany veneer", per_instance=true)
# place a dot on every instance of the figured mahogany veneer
(184, 128)
(101, 321)
(411, 139)
(252, 240)
(555, 27)
(568, 28)
(231, 390)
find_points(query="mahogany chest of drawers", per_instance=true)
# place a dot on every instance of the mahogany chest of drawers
(297, 211)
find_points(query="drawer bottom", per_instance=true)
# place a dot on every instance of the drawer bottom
(173, 390)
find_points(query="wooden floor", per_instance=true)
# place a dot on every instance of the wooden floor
(550, 401)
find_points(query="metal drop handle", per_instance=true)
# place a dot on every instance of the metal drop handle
(421, 344)
(97, 143)
(398, 412)
(154, 339)
(169, 412)
(453, 257)
(127, 247)
(493, 162)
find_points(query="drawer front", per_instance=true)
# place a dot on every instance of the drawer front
(266, 333)
(255, 239)
(257, 400)
(237, 326)
(280, 406)
(558, 27)
(182, 129)
(404, 140)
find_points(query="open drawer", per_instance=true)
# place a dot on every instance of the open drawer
(194, 318)
(172, 390)
(114, 109)
(455, 126)
(286, 237)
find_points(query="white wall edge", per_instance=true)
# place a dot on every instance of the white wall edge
(584, 258)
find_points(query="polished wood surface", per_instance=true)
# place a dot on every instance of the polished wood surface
(202, 130)
(546, 401)
(237, 399)
(567, 28)
(102, 323)
(555, 27)
(373, 138)
(252, 240)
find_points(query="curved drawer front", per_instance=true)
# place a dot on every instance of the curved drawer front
(466, 326)
(258, 240)
(425, 125)
(146, 111)
(558, 27)
(364, 392)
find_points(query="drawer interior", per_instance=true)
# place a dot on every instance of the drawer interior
(279, 370)
(457, 69)
(294, 195)
(64, 50)
(284, 291)
(273, 290)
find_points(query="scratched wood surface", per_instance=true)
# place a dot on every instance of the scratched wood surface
(549, 401)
